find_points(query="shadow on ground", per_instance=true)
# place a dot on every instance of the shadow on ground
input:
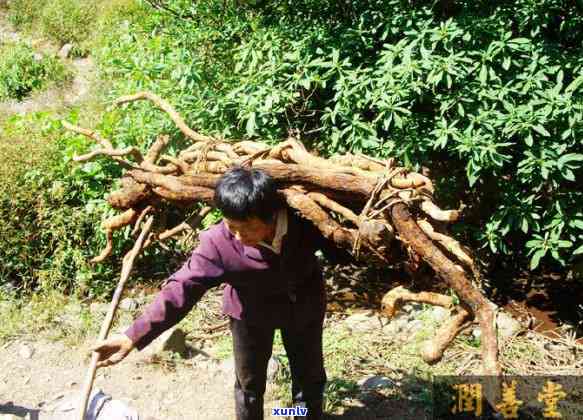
(17, 410)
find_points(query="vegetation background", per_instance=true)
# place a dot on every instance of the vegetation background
(486, 96)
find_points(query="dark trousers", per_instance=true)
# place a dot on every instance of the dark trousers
(252, 346)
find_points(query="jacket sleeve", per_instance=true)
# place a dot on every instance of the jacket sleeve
(180, 293)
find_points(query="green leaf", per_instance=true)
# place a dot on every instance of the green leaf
(521, 41)
(524, 225)
(578, 223)
(484, 74)
(569, 157)
(506, 63)
(305, 83)
(541, 130)
(536, 258)
(578, 250)
(335, 56)
(250, 126)
(574, 85)
(568, 174)
(460, 109)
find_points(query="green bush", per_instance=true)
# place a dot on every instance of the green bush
(487, 95)
(68, 20)
(50, 214)
(62, 21)
(22, 71)
(51, 210)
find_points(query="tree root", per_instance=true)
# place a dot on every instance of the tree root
(413, 236)
(166, 107)
(432, 350)
(394, 299)
(450, 244)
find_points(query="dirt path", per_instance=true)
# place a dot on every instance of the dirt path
(55, 373)
(78, 90)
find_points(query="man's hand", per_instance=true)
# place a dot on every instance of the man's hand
(113, 350)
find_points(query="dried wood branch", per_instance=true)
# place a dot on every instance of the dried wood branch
(169, 109)
(127, 265)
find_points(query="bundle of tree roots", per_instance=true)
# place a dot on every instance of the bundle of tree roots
(365, 205)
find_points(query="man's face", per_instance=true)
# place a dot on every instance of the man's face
(251, 231)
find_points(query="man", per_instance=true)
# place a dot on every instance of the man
(265, 255)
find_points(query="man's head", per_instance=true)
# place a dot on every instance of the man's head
(249, 201)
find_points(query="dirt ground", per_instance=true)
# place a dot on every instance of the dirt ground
(55, 372)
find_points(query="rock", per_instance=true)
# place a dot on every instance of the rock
(65, 51)
(273, 368)
(26, 351)
(412, 307)
(415, 326)
(507, 326)
(477, 333)
(128, 304)
(100, 407)
(172, 340)
(397, 325)
(374, 382)
(439, 314)
(363, 322)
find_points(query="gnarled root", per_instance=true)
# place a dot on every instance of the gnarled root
(438, 214)
(432, 350)
(107, 250)
(394, 299)
(130, 195)
(450, 244)
(169, 109)
(324, 201)
(313, 212)
(412, 235)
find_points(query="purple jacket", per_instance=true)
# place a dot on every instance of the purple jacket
(262, 287)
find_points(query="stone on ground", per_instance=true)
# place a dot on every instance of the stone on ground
(507, 325)
(172, 340)
(65, 51)
(374, 382)
(128, 304)
(26, 351)
(363, 322)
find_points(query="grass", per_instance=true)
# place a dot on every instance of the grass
(83, 23)
(43, 315)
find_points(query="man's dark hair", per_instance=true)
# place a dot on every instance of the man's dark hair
(243, 193)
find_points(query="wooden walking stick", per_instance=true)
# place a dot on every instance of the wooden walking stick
(128, 262)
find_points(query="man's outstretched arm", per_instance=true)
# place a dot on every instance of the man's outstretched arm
(180, 293)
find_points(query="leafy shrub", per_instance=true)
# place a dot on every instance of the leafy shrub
(62, 21)
(68, 20)
(49, 214)
(488, 96)
(22, 71)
